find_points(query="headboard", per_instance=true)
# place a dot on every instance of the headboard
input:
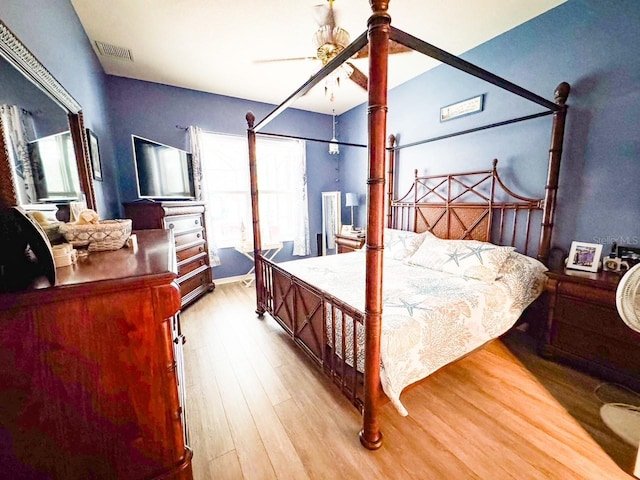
(469, 206)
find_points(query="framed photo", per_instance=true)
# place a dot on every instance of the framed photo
(584, 256)
(94, 153)
(463, 108)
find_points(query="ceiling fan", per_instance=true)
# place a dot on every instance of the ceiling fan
(329, 40)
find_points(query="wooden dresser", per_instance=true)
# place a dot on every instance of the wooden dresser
(584, 329)
(90, 382)
(349, 243)
(186, 220)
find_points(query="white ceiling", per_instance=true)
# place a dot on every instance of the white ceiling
(213, 45)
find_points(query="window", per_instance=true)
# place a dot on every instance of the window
(281, 184)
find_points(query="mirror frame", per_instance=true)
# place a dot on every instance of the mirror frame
(18, 55)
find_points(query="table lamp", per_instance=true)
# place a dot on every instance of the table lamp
(351, 201)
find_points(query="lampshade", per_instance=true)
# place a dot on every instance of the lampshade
(351, 200)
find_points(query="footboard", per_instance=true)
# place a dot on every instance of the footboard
(329, 331)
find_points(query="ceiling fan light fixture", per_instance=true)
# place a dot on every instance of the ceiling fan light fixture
(334, 148)
(333, 80)
(330, 41)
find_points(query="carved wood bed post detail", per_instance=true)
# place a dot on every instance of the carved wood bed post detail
(390, 181)
(255, 214)
(378, 32)
(555, 156)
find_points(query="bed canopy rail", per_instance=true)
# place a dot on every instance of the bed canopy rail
(378, 35)
(311, 139)
(470, 130)
(458, 63)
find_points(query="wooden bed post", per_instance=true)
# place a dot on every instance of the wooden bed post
(555, 156)
(378, 32)
(255, 214)
(390, 180)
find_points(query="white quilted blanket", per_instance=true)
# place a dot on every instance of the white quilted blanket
(430, 318)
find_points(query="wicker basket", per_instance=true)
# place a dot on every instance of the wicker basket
(52, 230)
(104, 235)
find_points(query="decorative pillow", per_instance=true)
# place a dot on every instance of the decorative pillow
(468, 258)
(400, 244)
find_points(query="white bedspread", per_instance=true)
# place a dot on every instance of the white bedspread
(430, 318)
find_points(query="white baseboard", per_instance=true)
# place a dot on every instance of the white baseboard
(223, 281)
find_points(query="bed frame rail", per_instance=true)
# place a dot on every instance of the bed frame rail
(309, 315)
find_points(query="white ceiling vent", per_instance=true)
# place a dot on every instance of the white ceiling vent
(106, 49)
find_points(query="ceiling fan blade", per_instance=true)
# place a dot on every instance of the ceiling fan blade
(358, 77)
(272, 60)
(393, 49)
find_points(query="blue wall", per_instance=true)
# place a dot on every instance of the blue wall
(52, 31)
(154, 111)
(593, 45)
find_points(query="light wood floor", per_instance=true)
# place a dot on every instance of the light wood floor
(258, 409)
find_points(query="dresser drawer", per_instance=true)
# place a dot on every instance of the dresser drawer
(604, 351)
(183, 223)
(587, 293)
(191, 264)
(191, 251)
(196, 279)
(598, 319)
(183, 239)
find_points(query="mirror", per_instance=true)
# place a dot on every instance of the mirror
(43, 143)
(331, 215)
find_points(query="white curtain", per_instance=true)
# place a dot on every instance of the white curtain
(201, 192)
(18, 128)
(301, 242)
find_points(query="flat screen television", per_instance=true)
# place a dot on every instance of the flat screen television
(162, 172)
(54, 168)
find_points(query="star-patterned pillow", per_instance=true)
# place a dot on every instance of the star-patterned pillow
(469, 258)
(400, 244)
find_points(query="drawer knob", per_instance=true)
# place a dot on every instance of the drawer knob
(199, 235)
(171, 226)
(197, 221)
(201, 249)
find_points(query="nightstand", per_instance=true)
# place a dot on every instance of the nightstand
(583, 327)
(348, 243)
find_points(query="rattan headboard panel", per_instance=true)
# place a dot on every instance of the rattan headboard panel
(465, 206)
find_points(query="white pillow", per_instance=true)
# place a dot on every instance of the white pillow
(400, 244)
(468, 258)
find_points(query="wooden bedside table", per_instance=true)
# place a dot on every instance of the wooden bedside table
(347, 243)
(584, 329)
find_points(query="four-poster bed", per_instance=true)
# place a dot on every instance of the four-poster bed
(474, 206)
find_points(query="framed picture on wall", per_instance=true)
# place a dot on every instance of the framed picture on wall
(584, 256)
(94, 153)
